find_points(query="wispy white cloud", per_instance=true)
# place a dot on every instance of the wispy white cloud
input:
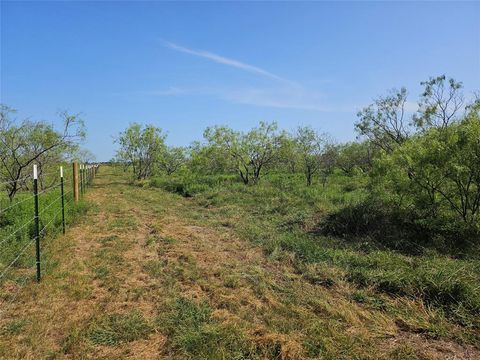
(286, 94)
(227, 61)
(278, 98)
(284, 98)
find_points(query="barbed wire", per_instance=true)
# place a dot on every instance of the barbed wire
(68, 200)
(15, 181)
(49, 188)
(31, 197)
(4, 303)
(53, 219)
(16, 231)
(30, 242)
(17, 203)
(53, 202)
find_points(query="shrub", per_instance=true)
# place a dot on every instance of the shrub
(189, 186)
(374, 219)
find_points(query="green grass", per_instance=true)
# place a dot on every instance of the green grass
(113, 329)
(13, 327)
(17, 226)
(154, 268)
(194, 334)
(283, 215)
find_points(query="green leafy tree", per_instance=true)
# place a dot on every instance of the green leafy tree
(384, 122)
(311, 145)
(172, 159)
(437, 174)
(288, 158)
(140, 148)
(440, 103)
(250, 153)
(328, 162)
(208, 159)
(355, 155)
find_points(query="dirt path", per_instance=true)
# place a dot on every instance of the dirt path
(147, 275)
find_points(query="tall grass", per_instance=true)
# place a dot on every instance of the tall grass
(283, 215)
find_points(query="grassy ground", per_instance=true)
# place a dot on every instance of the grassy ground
(235, 272)
(17, 227)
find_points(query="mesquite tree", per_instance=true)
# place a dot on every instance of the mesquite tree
(384, 122)
(24, 142)
(172, 159)
(140, 148)
(250, 153)
(310, 145)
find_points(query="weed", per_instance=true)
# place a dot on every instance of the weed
(125, 223)
(13, 327)
(107, 239)
(113, 329)
(154, 268)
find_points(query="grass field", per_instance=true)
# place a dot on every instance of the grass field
(208, 268)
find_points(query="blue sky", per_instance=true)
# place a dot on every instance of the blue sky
(185, 66)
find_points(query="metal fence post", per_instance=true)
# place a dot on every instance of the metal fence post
(37, 221)
(63, 199)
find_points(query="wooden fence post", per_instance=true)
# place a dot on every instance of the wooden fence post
(75, 181)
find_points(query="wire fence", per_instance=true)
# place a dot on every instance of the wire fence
(32, 217)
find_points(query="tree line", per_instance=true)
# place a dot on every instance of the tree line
(426, 162)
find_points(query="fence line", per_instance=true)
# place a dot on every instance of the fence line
(13, 205)
(15, 181)
(22, 233)
(4, 272)
(16, 231)
(53, 202)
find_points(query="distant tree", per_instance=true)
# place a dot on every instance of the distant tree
(440, 103)
(310, 146)
(250, 153)
(288, 158)
(84, 156)
(24, 142)
(328, 162)
(140, 148)
(208, 159)
(355, 155)
(172, 159)
(384, 122)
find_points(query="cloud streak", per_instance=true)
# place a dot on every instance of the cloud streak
(227, 61)
(277, 98)
(283, 98)
(286, 94)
